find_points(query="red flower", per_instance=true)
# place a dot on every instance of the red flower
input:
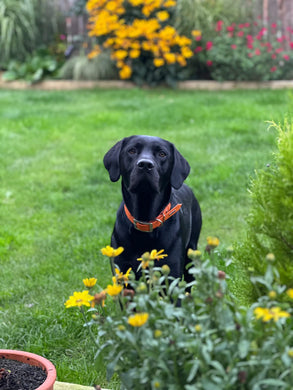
(230, 28)
(291, 45)
(274, 56)
(273, 69)
(279, 50)
(198, 38)
(240, 33)
(198, 49)
(249, 46)
(250, 55)
(246, 24)
(209, 45)
(257, 52)
(219, 25)
(233, 46)
(274, 25)
(286, 57)
(209, 63)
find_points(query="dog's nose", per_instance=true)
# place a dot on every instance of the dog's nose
(145, 164)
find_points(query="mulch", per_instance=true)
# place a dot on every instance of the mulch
(16, 375)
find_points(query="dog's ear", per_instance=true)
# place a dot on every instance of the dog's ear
(111, 161)
(180, 170)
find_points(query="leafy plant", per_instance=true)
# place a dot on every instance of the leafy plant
(37, 67)
(25, 25)
(270, 221)
(17, 29)
(247, 52)
(159, 336)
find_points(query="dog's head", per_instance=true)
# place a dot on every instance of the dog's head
(146, 163)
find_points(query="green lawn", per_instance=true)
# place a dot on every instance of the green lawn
(57, 205)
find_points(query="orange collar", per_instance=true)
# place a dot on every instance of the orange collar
(150, 226)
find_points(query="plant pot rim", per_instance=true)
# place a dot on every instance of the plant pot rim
(34, 360)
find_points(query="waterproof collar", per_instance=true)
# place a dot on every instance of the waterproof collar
(150, 226)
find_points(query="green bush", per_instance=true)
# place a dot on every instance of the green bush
(157, 336)
(270, 221)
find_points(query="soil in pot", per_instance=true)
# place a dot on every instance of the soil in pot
(16, 375)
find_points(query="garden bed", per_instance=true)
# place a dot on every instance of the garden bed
(120, 84)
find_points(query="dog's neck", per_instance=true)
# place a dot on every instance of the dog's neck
(148, 205)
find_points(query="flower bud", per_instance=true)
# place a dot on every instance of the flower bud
(272, 294)
(142, 288)
(270, 257)
(165, 270)
(221, 275)
(197, 328)
(158, 333)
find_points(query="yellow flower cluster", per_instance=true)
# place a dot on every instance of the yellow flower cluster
(274, 313)
(144, 35)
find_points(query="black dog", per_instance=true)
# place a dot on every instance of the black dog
(158, 211)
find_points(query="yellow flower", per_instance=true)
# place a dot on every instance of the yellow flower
(266, 314)
(186, 52)
(134, 53)
(114, 289)
(158, 333)
(197, 328)
(170, 58)
(79, 299)
(158, 62)
(170, 3)
(120, 277)
(290, 293)
(111, 252)
(163, 15)
(125, 72)
(213, 241)
(138, 320)
(89, 282)
(196, 33)
(120, 54)
(155, 255)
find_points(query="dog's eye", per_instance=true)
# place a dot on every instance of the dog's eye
(162, 153)
(132, 151)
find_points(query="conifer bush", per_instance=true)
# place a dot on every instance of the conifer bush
(270, 221)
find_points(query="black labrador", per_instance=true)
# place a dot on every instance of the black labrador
(158, 211)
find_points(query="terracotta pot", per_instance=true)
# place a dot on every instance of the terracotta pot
(33, 360)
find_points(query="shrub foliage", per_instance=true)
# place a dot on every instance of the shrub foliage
(270, 222)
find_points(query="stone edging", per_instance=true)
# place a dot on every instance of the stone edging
(49, 85)
(71, 386)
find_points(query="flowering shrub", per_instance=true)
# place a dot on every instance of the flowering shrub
(141, 38)
(160, 336)
(248, 52)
